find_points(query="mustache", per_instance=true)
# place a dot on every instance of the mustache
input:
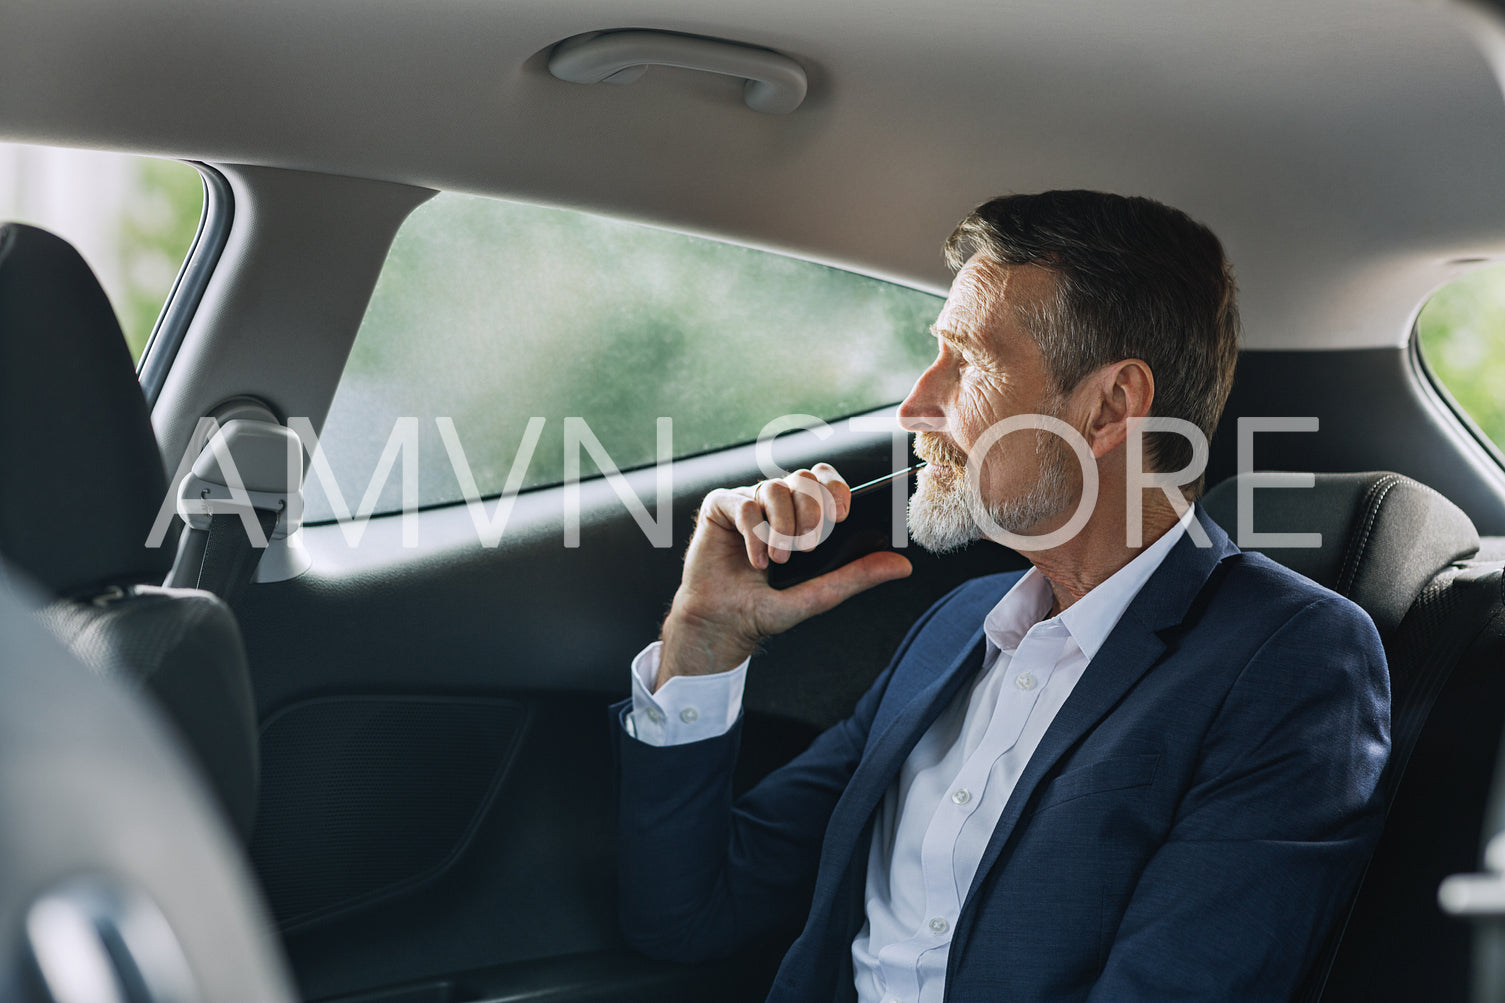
(932, 448)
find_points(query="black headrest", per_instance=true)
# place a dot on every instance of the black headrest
(81, 479)
(1384, 536)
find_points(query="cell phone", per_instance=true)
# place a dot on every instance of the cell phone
(868, 527)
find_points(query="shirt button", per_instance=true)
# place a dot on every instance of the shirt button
(939, 926)
(961, 795)
(655, 715)
(1025, 681)
(689, 715)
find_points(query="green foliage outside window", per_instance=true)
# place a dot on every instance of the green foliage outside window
(156, 234)
(1461, 332)
(493, 313)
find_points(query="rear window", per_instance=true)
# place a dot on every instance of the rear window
(505, 319)
(1461, 335)
(132, 218)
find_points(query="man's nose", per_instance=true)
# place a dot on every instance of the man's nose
(921, 410)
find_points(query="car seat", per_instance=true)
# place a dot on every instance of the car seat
(1406, 555)
(119, 881)
(81, 486)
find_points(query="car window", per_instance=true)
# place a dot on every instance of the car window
(492, 322)
(132, 218)
(1461, 334)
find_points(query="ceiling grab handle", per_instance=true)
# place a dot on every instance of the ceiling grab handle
(775, 84)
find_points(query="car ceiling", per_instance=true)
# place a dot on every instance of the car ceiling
(1348, 152)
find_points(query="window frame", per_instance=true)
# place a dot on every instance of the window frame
(187, 291)
(1445, 403)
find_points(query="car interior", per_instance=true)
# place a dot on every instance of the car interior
(375, 766)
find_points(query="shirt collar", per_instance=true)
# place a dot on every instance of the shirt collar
(1091, 618)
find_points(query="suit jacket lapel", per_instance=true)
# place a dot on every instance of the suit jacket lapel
(1129, 651)
(940, 662)
(886, 754)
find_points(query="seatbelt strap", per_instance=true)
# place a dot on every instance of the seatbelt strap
(230, 559)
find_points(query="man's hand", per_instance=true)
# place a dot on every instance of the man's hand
(724, 605)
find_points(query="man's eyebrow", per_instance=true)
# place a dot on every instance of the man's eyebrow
(955, 338)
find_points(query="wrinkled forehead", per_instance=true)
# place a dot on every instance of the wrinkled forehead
(988, 299)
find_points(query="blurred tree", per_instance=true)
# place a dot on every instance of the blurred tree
(1461, 331)
(492, 313)
(156, 233)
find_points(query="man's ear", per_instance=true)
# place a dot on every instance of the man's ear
(1111, 396)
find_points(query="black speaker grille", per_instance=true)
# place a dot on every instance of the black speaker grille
(365, 797)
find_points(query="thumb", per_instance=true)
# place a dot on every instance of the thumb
(835, 587)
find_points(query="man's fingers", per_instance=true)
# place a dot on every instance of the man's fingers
(770, 519)
(836, 489)
(814, 507)
(835, 587)
(783, 519)
(749, 516)
(733, 510)
(798, 509)
(775, 518)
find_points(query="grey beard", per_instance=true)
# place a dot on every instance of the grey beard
(942, 518)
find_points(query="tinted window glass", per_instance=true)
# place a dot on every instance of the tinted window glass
(1461, 333)
(495, 314)
(132, 218)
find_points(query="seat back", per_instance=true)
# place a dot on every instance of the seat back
(1408, 557)
(1399, 944)
(118, 879)
(1384, 537)
(81, 483)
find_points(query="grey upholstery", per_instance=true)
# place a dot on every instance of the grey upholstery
(81, 481)
(1384, 536)
(104, 821)
(183, 647)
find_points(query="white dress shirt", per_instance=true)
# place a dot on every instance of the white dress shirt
(936, 818)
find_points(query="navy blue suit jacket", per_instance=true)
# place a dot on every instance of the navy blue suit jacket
(1192, 823)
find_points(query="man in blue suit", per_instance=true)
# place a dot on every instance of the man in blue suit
(1144, 769)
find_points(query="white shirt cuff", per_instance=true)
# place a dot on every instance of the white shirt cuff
(686, 708)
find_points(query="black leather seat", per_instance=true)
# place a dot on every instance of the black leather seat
(1407, 556)
(81, 483)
